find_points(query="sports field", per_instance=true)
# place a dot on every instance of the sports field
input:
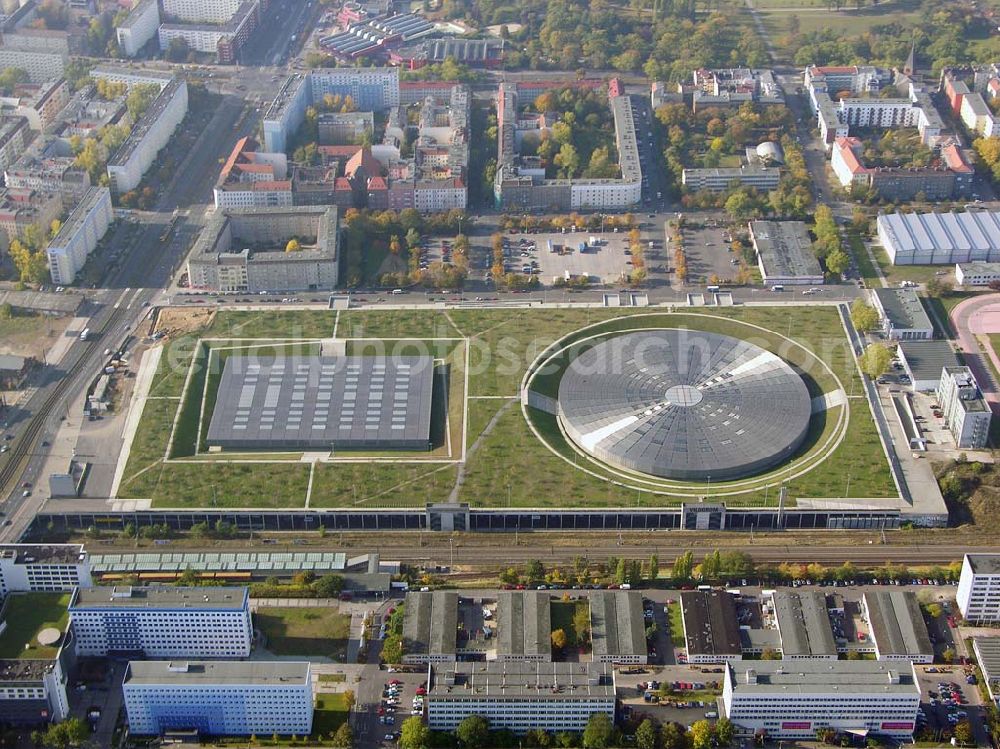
(489, 454)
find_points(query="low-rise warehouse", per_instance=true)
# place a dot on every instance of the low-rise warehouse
(923, 362)
(784, 253)
(939, 238)
(902, 314)
(897, 626)
(524, 626)
(976, 274)
(430, 627)
(617, 628)
(803, 624)
(520, 696)
(987, 650)
(711, 629)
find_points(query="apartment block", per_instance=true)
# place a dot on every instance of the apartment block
(38, 103)
(371, 89)
(162, 622)
(201, 11)
(978, 117)
(253, 179)
(950, 176)
(13, 138)
(139, 27)
(219, 698)
(79, 235)
(978, 594)
(39, 171)
(521, 183)
(223, 39)
(40, 66)
(151, 133)
(731, 87)
(338, 128)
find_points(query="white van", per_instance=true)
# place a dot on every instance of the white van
(711, 289)
(396, 291)
(777, 287)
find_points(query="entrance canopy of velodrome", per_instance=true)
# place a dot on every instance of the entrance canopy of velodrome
(324, 402)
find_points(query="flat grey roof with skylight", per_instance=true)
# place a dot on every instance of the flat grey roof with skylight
(221, 673)
(324, 402)
(159, 597)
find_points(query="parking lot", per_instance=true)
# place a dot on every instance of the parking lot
(947, 698)
(707, 252)
(401, 697)
(693, 692)
(435, 250)
(606, 260)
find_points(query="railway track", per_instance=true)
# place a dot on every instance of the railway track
(23, 445)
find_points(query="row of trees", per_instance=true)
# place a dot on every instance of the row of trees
(302, 585)
(680, 259)
(584, 572)
(829, 246)
(600, 733)
(638, 250)
(447, 70)
(392, 645)
(525, 222)
(988, 151)
(474, 732)
(716, 566)
(793, 198)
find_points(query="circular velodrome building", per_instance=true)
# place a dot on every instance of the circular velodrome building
(684, 404)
